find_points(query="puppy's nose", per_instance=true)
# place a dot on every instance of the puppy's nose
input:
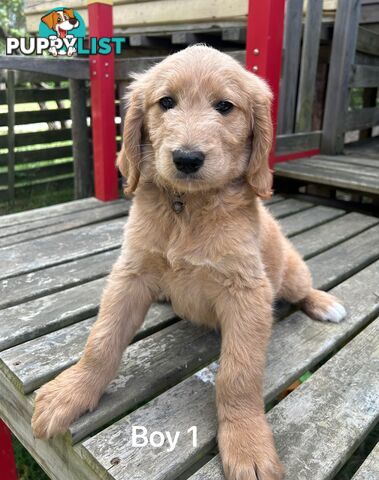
(188, 161)
(73, 21)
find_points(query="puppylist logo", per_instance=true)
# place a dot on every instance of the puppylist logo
(62, 33)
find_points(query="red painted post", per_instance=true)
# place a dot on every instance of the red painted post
(103, 103)
(7, 463)
(264, 42)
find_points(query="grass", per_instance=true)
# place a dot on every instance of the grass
(27, 467)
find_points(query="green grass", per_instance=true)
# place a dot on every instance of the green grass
(27, 467)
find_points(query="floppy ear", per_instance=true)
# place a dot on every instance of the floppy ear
(129, 158)
(259, 175)
(70, 12)
(49, 19)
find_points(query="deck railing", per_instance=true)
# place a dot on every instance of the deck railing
(323, 62)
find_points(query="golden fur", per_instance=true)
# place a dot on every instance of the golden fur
(221, 261)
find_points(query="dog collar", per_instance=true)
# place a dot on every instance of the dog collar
(177, 202)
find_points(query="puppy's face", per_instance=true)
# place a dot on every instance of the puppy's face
(201, 121)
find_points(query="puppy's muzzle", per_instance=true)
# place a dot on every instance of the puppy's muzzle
(188, 161)
(73, 21)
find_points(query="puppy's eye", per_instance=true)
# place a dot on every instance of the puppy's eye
(59, 20)
(224, 107)
(166, 103)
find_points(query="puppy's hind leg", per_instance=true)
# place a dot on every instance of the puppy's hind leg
(297, 289)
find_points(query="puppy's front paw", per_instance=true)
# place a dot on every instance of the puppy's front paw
(323, 306)
(248, 451)
(60, 402)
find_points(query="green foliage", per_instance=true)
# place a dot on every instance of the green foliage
(12, 18)
(27, 467)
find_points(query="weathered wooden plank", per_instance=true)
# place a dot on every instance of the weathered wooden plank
(30, 286)
(323, 277)
(338, 406)
(36, 116)
(297, 142)
(83, 181)
(38, 155)
(84, 241)
(52, 172)
(343, 50)
(332, 233)
(68, 222)
(369, 470)
(337, 263)
(11, 156)
(37, 138)
(290, 66)
(33, 363)
(37, 94)
(192, 401)
(361, 170)
(69, 68)
(52, 211)
(42, 315)
(308, 66)
(368, 41)
(175, 352)
(368, 148)
(60, 248)
(300, 170)
(364, 76)
(352, 160)
(358, 119)
(288, 207)
(61, 462)
(299, 222)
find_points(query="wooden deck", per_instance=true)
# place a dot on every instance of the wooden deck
(357, 170)
(54, 261)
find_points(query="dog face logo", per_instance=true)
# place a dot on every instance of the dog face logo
(61, 21)
(62, 26)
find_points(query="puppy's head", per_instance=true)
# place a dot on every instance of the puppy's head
(197, 121)
(61, 21)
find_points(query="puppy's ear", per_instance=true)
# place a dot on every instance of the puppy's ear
(49, 19)
(69, 12)
(129, 158)
(259, 175)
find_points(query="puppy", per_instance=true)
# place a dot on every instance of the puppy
(61, 21)
(197, 137)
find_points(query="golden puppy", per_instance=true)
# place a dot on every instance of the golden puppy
(197, 138)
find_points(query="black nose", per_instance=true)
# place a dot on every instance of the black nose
(188, 161)
(73, 21)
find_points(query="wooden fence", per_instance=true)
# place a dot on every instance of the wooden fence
(40, 157)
